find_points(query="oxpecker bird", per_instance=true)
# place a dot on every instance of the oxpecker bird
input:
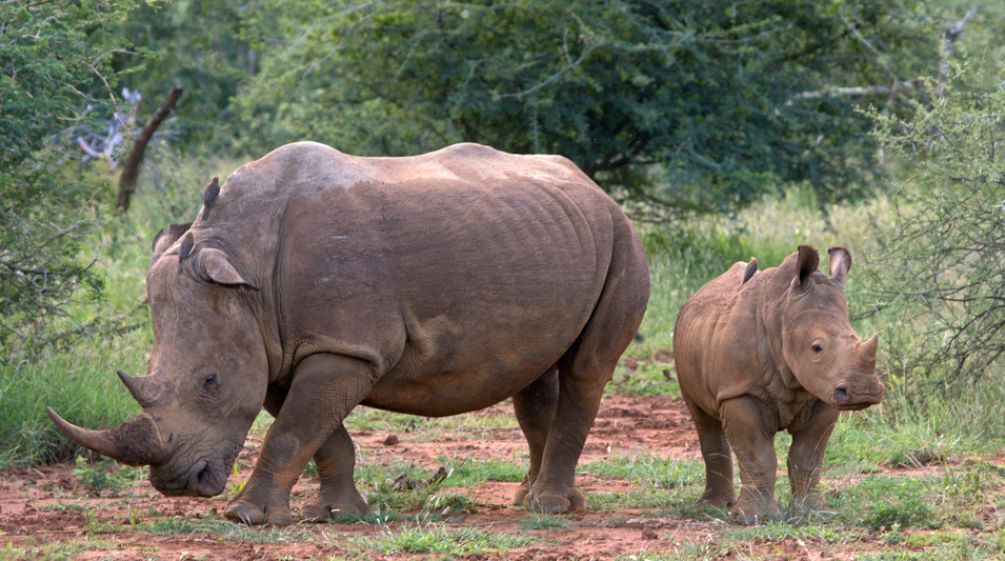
(209, 195)
(184, 250)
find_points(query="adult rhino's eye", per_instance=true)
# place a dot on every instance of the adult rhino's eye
(210, 383)
(816, 347)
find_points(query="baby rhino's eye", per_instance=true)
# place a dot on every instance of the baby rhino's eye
(815, 347)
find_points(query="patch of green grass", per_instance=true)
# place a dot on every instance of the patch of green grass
(646, 378)
(649, 498)
(537, 521)
(450, 503)
(423, 429)
(659, 483)
(64, 507)
(954, 550)
(222, 529)
(649, 470)
(68, 551)
(683, 551)
(777, 531)
(441, 539)
(104, 477)
(377, 482)
(865, 441)
(879, 502)
(469, 472)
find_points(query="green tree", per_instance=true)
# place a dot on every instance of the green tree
(691, 104)
(54, 59)
(198, 44)
(944, 265)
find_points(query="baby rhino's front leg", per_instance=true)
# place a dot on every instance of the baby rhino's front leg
(325, 388)
(806, 455)
(753, 443)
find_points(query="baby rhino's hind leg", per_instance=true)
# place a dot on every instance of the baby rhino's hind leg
(718, 458)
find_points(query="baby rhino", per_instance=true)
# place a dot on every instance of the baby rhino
(761, 353)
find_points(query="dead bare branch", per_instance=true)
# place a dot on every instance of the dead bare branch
(131, 169)
(950, 36)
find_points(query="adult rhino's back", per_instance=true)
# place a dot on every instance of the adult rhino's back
(471, 267)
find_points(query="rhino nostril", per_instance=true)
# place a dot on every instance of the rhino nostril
(841, 395)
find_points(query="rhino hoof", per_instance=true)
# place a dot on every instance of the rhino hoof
(752, 515)
(521, 493)
(247, 513)
(717, 500)
(553, 503)
(323, 513)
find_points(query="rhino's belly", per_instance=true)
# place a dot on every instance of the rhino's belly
(465, 380)
(450, 393)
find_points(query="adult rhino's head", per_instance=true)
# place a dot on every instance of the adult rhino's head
(207, 374)
(820, 347)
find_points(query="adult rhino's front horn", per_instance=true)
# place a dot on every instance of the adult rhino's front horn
(136, 442)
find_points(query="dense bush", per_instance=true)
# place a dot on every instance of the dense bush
(695, 105)
(53, 60)
(944, 265)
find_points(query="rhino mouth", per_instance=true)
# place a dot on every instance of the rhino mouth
(205, 478)
(854, 406)
(845, 399)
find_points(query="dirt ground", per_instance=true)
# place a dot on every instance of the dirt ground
(31, 514)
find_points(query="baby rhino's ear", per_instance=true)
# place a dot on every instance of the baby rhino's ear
(807, 263)
(840, 263)
(213, 265)
(165, 238)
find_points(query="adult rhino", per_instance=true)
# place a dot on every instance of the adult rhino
(760, 353)
(438, 284)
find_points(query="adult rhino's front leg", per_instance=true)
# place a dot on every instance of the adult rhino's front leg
(325, 388)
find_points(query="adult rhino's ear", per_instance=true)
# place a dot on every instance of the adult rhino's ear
(807, 263)
(840, 263)
(165, 238)
(212, 265)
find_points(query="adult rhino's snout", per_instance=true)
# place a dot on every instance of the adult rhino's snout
(203, 479)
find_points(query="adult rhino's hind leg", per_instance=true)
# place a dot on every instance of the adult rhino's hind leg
(535, 411)
(583, 372)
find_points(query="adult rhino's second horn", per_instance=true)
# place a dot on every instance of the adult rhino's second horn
(143, 389)
(136, 442)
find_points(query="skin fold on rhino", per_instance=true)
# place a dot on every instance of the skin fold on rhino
(433, 285)
(761, 352)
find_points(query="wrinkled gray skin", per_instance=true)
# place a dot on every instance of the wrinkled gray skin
(434, 285)
(760, 353)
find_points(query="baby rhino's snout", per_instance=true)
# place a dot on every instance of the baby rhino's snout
(849, 396)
